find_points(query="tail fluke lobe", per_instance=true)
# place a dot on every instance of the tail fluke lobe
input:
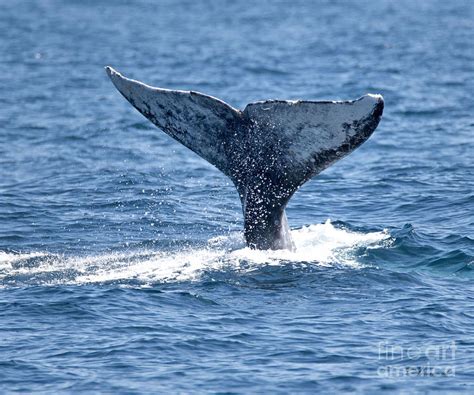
(313, 135)
(199, 122)
(268, 150)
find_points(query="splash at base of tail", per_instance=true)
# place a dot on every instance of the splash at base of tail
(268, 150)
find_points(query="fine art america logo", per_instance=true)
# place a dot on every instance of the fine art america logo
(426, 361)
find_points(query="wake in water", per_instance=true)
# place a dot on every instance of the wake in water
(321, 245)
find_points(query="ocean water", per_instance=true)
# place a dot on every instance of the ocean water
(122, 262)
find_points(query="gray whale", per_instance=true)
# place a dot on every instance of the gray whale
(268, 150)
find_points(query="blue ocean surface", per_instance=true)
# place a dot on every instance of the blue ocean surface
(123, 267)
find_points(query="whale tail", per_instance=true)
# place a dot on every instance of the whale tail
(268, 150)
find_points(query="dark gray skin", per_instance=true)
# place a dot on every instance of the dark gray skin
(268, 150)
(266, 226)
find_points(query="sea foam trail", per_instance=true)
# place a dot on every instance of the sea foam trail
(321, 244)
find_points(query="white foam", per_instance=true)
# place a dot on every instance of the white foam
(321, 244)
(7, 259)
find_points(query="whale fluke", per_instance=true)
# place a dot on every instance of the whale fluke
(268, 150)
